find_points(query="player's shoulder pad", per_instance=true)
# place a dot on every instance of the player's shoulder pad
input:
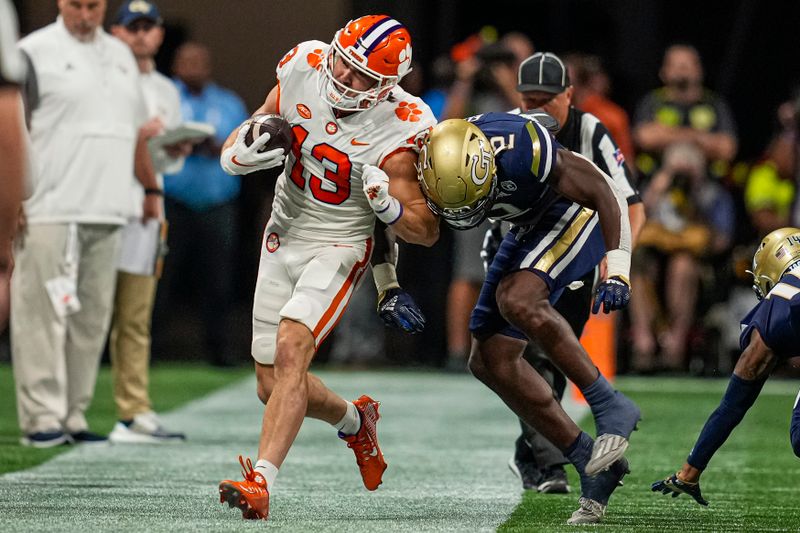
(411, 116)
(409, 109)
(544, 118)
(542, 149)
(307, 55)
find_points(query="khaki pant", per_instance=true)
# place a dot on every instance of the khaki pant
(130, 343)
(56, 358)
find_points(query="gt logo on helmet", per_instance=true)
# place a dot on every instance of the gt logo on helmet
(481, 162)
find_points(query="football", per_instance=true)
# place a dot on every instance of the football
(279, 129)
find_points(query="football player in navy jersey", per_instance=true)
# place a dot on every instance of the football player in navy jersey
(770, 335)
(566, 215)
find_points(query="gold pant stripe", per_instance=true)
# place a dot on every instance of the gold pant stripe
(551, 256)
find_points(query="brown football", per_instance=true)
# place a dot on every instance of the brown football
(279, 129)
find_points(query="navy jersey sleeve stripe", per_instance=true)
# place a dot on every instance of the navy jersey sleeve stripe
(544, 150)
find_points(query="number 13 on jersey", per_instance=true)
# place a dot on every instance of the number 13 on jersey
(329, 157)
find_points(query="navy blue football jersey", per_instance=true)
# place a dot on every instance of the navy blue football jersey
(525, 161)
(777, 318)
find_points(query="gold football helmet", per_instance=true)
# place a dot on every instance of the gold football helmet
(457, 173)
(778, 251)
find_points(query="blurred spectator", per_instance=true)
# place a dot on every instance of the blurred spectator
(518, 44)
(442, 74)
(684, 111)
(85, 139)
(138, 24)
(768, 197)
(691, 218)
(485, 81)
(201, 202)
(770, 189)
(592, 88)
(12, 148)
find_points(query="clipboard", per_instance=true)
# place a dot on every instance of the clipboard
(188, 131)
(143, 248)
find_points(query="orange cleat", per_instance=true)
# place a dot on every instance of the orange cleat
(250, 495)
(365, 443)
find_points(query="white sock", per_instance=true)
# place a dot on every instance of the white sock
(269, 471)
(350, 422)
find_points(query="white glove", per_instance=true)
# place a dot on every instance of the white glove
(376, 186)
(240, 159)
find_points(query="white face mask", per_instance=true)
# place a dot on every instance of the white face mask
(340, 96)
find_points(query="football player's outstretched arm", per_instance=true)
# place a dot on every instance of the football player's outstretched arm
(749, 376)
(583, 182)
(394, 194)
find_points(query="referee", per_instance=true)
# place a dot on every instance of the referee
(544, 84)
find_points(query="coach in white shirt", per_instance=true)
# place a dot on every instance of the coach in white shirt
(86, 108)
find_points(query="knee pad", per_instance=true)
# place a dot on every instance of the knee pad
(263, 345)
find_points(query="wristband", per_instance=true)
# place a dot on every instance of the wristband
(157, 192)
(619, 263)
(385, 277)
(391, 213)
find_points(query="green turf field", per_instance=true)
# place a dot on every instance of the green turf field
(447, 440)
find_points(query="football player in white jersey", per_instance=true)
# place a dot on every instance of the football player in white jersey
(356, 139)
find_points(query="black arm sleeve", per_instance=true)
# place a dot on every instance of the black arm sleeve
(385, 245)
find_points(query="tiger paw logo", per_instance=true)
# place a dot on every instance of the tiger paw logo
(408, 111)
(314, 58)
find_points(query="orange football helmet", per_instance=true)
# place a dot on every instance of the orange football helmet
(375, 45)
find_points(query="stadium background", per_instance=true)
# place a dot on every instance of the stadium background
(748, 49)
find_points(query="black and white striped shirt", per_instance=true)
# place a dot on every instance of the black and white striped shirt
(12, 64)
(585, 134)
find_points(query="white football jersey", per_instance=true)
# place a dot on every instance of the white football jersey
(320, 194)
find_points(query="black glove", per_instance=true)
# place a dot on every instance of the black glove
(673, 485)
(491, 243)
(399, 310)
(613, 293)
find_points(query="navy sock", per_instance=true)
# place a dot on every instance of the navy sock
(794, 429)
(599, 392)
(739, 397)
(580, 451)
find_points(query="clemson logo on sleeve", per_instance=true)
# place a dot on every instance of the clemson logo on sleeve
(315, 58)
(408, 111)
